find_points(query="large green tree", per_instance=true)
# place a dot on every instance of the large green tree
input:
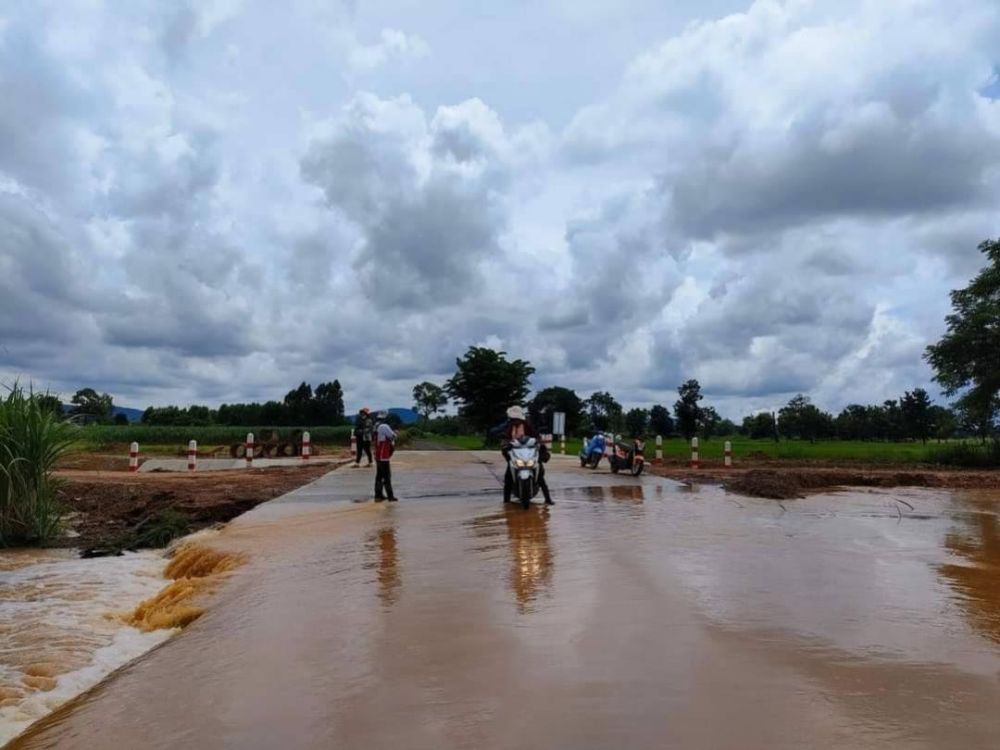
(328, 406)
(687, 412)
(802, 419)
(298, 406)
(708, 422)
(605, 413)
(759, 426)
(660, 420)
(486, 383)
(967, 358)
(636, 422)
(428, 398)
(915, 406)
(89, 402)
(556, 398)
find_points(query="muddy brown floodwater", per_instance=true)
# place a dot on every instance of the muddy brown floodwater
(635, 613)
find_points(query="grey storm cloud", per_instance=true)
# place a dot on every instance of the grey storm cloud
(886, 169)
(426, 218)
(774, 201)
(41, 292)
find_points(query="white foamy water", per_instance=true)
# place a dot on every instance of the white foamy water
(58, 622)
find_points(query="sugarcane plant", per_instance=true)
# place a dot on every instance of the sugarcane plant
(32, 438)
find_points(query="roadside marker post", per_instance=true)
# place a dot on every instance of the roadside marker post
(694, 453)
(729, 455)
(608, 443)
(306, 447)
(354, 443)
(133, 457)
(249, 449)
(659, 450)
(559, 428)
(192, 455)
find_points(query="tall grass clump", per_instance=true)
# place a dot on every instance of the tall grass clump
(968, 455)
(32, 438)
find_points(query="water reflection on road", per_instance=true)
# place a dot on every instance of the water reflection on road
(635, 613)
(975, 540)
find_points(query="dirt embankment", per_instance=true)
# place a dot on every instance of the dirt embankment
(789, 479)
(111, 510)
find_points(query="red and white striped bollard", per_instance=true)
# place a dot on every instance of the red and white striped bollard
(354, 443)
(728, 460)
(249, 449)
(694, 453)
(192, 455)
(133, 457)
(659, 450)
(306, 447)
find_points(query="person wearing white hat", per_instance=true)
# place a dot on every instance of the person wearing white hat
(518, 426)
(385, 445)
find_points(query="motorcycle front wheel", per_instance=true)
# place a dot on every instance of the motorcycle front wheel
(524, 492)
(637, 468)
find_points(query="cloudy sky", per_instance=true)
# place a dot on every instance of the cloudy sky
(212, 200)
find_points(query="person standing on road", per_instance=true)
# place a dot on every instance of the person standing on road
(385, 445)
(363, 436)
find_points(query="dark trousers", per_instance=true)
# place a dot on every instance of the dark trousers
(383, 479)
(366, 446)
(508, 484)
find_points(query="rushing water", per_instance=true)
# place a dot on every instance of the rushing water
(632, 614)
(59, 630)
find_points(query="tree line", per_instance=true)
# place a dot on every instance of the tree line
(301, 407)
(911, 417)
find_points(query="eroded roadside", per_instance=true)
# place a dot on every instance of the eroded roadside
(109, 511)
(782, 480)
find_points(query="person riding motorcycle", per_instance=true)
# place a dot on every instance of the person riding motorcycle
(518, 427)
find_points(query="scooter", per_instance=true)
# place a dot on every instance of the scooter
(523, 463)
(592, 451)
(628, 457)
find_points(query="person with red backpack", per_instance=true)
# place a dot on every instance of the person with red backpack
(385, 445)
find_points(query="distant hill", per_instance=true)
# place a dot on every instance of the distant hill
(132, 415)
(406, 416)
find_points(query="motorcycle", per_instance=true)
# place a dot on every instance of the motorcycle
(523, 462)
(592, 451)
(628, 457)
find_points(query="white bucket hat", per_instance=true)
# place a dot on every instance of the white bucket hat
(515, 412)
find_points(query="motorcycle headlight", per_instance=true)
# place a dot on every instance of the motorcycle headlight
(519, 463)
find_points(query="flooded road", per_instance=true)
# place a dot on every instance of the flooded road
(634, 613)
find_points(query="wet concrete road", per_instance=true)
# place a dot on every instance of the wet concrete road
(632, 614)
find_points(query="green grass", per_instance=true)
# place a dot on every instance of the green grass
(829, 450)
(31, 441)
(105, 436)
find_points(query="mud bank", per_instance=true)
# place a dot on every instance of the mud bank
(109, 511)
(787, 480)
